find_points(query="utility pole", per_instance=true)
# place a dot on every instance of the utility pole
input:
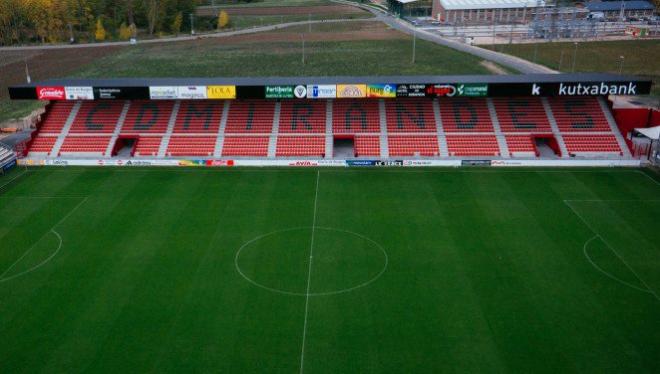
(71, 39)
(309, 19)
(574, 57)
(561, 59)
(302, 37)
(536, 51)
(621, 65)
(414, 45)
(192, 26)
(27, 72)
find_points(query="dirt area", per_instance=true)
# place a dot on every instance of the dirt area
(45, 64)
(493, 68)
(280, 10)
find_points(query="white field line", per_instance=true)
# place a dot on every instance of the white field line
(13, 179)
(42, 263)
(612, 249)
(609, 275)
(309, 275)
(649, 177)
(51, 229)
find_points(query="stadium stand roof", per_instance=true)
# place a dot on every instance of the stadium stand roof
(400, 79)
(608, 6)
(651, 132)
(490, 4)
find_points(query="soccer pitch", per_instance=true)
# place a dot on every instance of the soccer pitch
(329, 271)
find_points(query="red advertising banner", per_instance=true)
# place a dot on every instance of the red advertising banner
(51, 93)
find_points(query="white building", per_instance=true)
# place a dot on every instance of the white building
(485, 11)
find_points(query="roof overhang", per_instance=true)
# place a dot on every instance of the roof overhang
(651, 132)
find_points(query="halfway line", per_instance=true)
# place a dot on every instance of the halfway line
(309, 275)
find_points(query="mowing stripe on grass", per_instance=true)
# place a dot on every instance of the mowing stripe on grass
(309, 274)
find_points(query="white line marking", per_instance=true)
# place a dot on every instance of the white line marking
(609, 275)
(309, 275)
(13, 179)
(649, 177)
(42, 263)
(612, 249)
(33, 245)
(311, 294)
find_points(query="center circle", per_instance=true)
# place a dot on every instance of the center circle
(341, 261)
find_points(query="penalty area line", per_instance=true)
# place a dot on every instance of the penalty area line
(567, 202)
(52, 229)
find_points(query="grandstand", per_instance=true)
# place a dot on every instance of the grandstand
(488, 118)
(7, 158)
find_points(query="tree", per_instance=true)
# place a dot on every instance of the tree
(152, 11)
(223, 20)
(124, 32)
(176, 24)
(99, 34)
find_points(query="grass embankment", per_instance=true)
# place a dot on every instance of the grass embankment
(640, 57)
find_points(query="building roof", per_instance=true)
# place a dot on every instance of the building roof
(490, 4)
(608, 6)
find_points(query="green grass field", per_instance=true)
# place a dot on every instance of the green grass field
(355, 58)
(346, 270)
(602, 57)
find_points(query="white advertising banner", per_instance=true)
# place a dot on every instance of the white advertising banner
(79, 93)
(192, 92)
(322, 91)
(163, 93)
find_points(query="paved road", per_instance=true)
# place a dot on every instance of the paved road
(252, 30)
(508, 61)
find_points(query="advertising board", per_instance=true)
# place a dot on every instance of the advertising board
(300, 92)
(121, 93)
(51, 93)
(472, 90)
(351, 90)
(221, 92)
(163, 92)
(411, 90)
(381, 90)
(476, 162)
(192, 92)
(440, 90)
(322, 91)
(79, 93)
(279, 92)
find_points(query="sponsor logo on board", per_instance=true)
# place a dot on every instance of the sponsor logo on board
(51, 93)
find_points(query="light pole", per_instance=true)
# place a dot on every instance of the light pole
(621, 64)
(574, 56)
(536, 51)
(302, 37)
(414, 45)
(71, 40)
(192, 26)
(561, 59)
